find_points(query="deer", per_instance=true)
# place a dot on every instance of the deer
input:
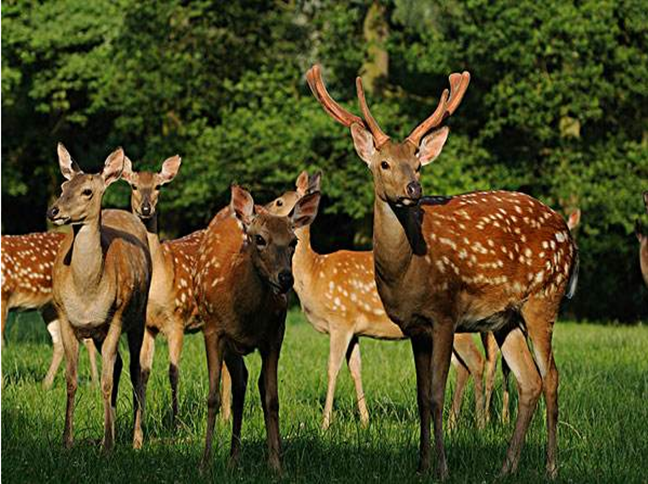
(27, 262)
(172, 308)
(485, 261)
(338, 296)
(101, 279)
(643, 243)
(241, 279)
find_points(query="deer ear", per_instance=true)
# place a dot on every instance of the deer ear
(363, 142)
(574, 219)
(315, 182)
(432, 145)
(302, 183)
(305, 210)
(113, 166)
(242, 205)
(68, 166)
(170, 169)
(127, 172)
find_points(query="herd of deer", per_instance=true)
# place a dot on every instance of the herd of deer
(497, 263)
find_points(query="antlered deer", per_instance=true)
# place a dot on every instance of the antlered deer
(338, 295)
(643, 244)
(101, 280)
(27, 262)
(172, 308)
(241, 280)
(483, 261)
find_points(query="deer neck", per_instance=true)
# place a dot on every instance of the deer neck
(155, 247)
(304, 259)
(250, 291)
(396, 239)
(87, 262)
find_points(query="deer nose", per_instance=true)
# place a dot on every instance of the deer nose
(414, 190)
(146, 209)
(52, 212)
(286, 280)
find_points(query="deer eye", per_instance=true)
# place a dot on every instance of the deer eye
(260, 241)
(279, 203)
(157, 187)
(87, 192)
(134, 187)
(384, 165)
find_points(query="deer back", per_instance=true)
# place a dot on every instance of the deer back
(27, 262)
(182, 253)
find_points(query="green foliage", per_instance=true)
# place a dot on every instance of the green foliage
(557, 108)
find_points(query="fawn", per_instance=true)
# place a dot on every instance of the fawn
(241, 280)
(101, 280)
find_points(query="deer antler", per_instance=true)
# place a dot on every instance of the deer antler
(448, 104)
(337, 112)
(379, 136)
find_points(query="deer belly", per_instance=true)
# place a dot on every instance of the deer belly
(319, 324)
(87, 313)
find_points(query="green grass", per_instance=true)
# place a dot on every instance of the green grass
(602, 433)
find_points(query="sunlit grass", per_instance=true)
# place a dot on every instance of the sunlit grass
(603, 419)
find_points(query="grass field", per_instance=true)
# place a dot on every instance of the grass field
(603, 430)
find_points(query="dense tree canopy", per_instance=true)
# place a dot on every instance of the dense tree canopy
(557, 108)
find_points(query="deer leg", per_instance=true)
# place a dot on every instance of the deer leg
(92, 355)
(135, 337)
(269, 392)
(226, 393)
(355, 367)
(214, 348)
(422, 349)
(491, 349)
(146, 357)
(539, 317)
(176, 339)
(110, 356)
(474, 361)
(506, 372)
(462, 378)
(71, 347)
(338, 344)
(516, 352)
(54, 329)
(239, 378)
(442, 340)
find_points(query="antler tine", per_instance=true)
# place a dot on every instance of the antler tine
(337, 112)
(379, 136)
(458, 86)
(435, 119)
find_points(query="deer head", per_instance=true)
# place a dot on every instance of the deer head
(80, 200)
(305, 184)
(146, 185)
(395, 166)
(271, 239)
